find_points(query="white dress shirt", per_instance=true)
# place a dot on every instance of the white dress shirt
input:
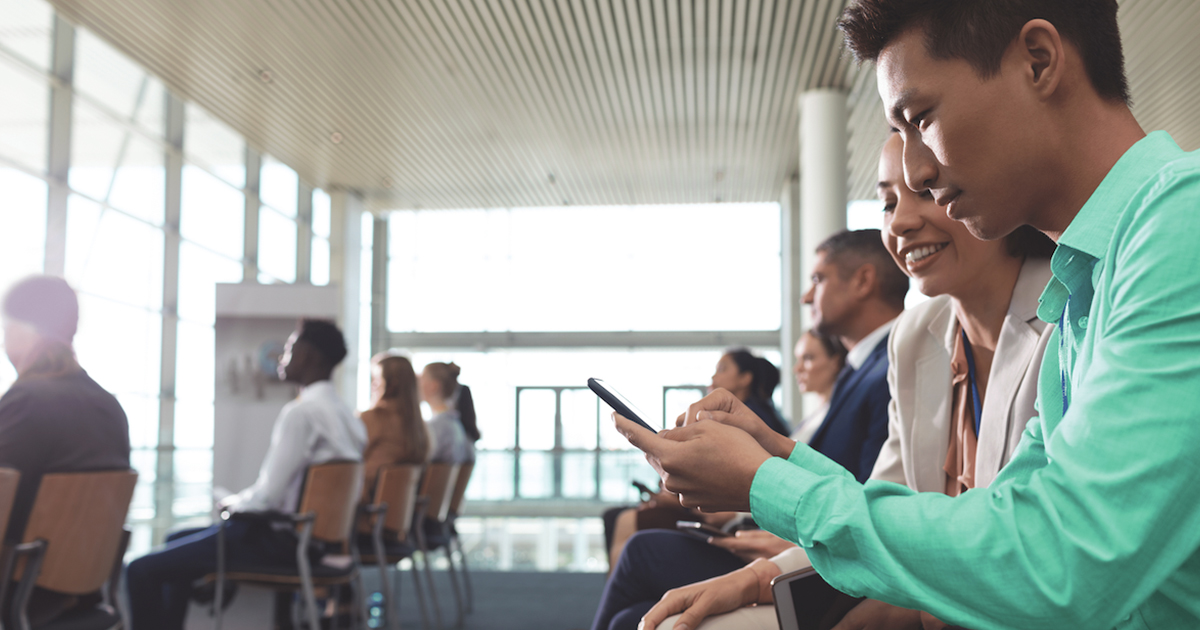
(316, 427)
(450, 443)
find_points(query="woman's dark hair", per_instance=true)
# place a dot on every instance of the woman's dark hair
(400, 390)
(832, 346)
(466, 412)
(764, 376)
(980, 31)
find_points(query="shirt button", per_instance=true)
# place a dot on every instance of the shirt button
(1083, 322)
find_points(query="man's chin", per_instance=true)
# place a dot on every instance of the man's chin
(983, 230)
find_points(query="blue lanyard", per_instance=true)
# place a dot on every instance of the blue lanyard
(1062, 348)
(975, 399)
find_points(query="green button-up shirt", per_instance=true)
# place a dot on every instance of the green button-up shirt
(1095, 523)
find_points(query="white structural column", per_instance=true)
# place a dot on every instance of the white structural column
(379, 282)
(250, 242)
(794, 284)
(823, 171)
(59, 145)
(823, 178)
(345, 271)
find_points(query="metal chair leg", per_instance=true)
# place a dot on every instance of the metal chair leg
(458, 599)
(462, 558)
(416, 575)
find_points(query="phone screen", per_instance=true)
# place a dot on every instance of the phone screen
(808, 602)
(618, 402)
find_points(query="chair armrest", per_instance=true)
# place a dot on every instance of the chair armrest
(34, 552)
(378, 508)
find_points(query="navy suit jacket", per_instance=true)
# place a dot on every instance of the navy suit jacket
(856, 425)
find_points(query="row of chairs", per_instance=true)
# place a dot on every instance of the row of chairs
(76, 538)
(400, 523)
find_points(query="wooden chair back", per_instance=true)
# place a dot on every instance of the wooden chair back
(81, 516)
(460, 488)
(437, 488)
(331, 491)
(9, 479)
(397, 486)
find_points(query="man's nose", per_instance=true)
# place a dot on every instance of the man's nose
(920, 169)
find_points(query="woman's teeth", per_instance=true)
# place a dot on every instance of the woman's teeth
(923, 252)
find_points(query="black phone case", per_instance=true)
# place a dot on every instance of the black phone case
(615, 403)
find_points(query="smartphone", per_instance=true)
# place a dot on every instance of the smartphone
(644, 491)
(805, 601)
(617, 402)
(704, 530)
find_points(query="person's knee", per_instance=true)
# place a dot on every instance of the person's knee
(627, 619)
(139, 572)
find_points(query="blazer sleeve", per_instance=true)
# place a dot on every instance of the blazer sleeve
(890, 464)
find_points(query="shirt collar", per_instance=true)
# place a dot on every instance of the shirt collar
(859, 353)
(1087, 238)
(319, 389)
(1092, 229)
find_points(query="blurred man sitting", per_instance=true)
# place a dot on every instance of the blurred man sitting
(55, 418)
(316, 427)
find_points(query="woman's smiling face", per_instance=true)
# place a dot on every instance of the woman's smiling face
(935, 250)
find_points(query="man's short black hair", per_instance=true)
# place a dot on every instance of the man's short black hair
(325, 337)
(45, 302)
(849, 250)
(979, 31)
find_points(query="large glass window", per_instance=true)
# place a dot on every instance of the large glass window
(584, 269)
(23, 239)
(276, 246)
(278, 186)
(118, 84)
(23, 115)
(25, 28)
(114, 165)
(212, 144)
(321, 213)
(212, 213)
(544, 435)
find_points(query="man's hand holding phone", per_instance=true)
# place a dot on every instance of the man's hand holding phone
(722, 406)
(710, 465)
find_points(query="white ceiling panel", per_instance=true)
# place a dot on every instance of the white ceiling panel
(503, 103)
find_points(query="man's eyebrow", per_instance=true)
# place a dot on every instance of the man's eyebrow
(897, 110)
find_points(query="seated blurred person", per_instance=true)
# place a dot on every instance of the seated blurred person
(857, 292)
(964, 368)
(819, 360)
(55, 418)
(753, 380)
(316, 427)
(453, 423)
(395, 432)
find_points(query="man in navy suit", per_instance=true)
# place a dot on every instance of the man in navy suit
(857, 292)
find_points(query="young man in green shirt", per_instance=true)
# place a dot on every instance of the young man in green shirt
(1014, 112)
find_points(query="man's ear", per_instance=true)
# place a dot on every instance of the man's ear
(1039, 50)
(864, 281)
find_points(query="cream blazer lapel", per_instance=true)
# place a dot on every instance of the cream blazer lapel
(1012, 385)
(931, 403)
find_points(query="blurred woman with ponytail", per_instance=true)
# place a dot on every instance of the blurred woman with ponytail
(453, 424)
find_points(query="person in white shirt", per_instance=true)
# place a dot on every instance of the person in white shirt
(316, 427)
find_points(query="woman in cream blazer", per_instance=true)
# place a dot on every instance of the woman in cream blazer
(919, 416)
